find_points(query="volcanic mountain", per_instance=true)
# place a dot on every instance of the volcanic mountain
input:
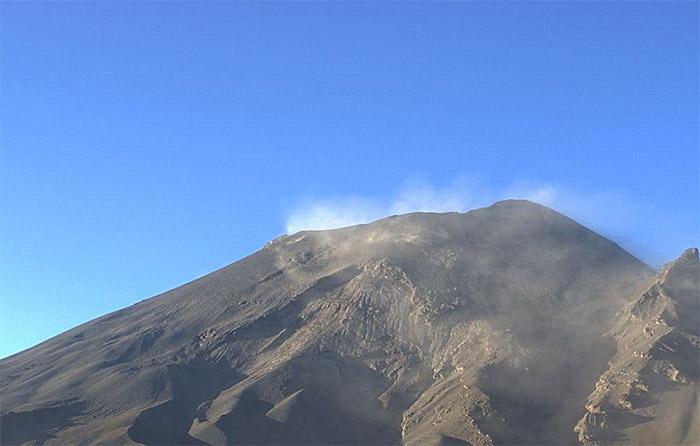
(510, 324)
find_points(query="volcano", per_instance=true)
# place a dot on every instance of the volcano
(510, 324)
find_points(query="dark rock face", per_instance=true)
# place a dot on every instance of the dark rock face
(478, 328)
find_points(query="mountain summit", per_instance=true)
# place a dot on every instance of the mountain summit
(510, 324)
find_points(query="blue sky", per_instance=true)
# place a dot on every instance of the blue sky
(147, 143)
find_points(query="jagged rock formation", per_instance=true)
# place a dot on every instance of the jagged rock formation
(649, 394)
(479, 328)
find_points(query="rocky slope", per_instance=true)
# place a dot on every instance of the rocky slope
(649, 394)
(478, 328)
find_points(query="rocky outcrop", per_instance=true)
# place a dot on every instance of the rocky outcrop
(657, 355)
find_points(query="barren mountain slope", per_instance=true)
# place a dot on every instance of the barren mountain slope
(649, 394)
(475, 328)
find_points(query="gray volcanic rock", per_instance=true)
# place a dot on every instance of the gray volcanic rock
(649, 394)
(477, 328)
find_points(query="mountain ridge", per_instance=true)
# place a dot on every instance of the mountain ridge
(476, 328)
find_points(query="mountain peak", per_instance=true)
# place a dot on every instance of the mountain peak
(690, 255)
(682, 266)
(518, 202)
(477, 327)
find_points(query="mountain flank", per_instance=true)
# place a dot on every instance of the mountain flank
(510, 324)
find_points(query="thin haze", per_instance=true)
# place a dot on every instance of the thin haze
(148, 143)
(415, 196)
(608, 212)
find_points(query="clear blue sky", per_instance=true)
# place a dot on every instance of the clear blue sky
(147, 143)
